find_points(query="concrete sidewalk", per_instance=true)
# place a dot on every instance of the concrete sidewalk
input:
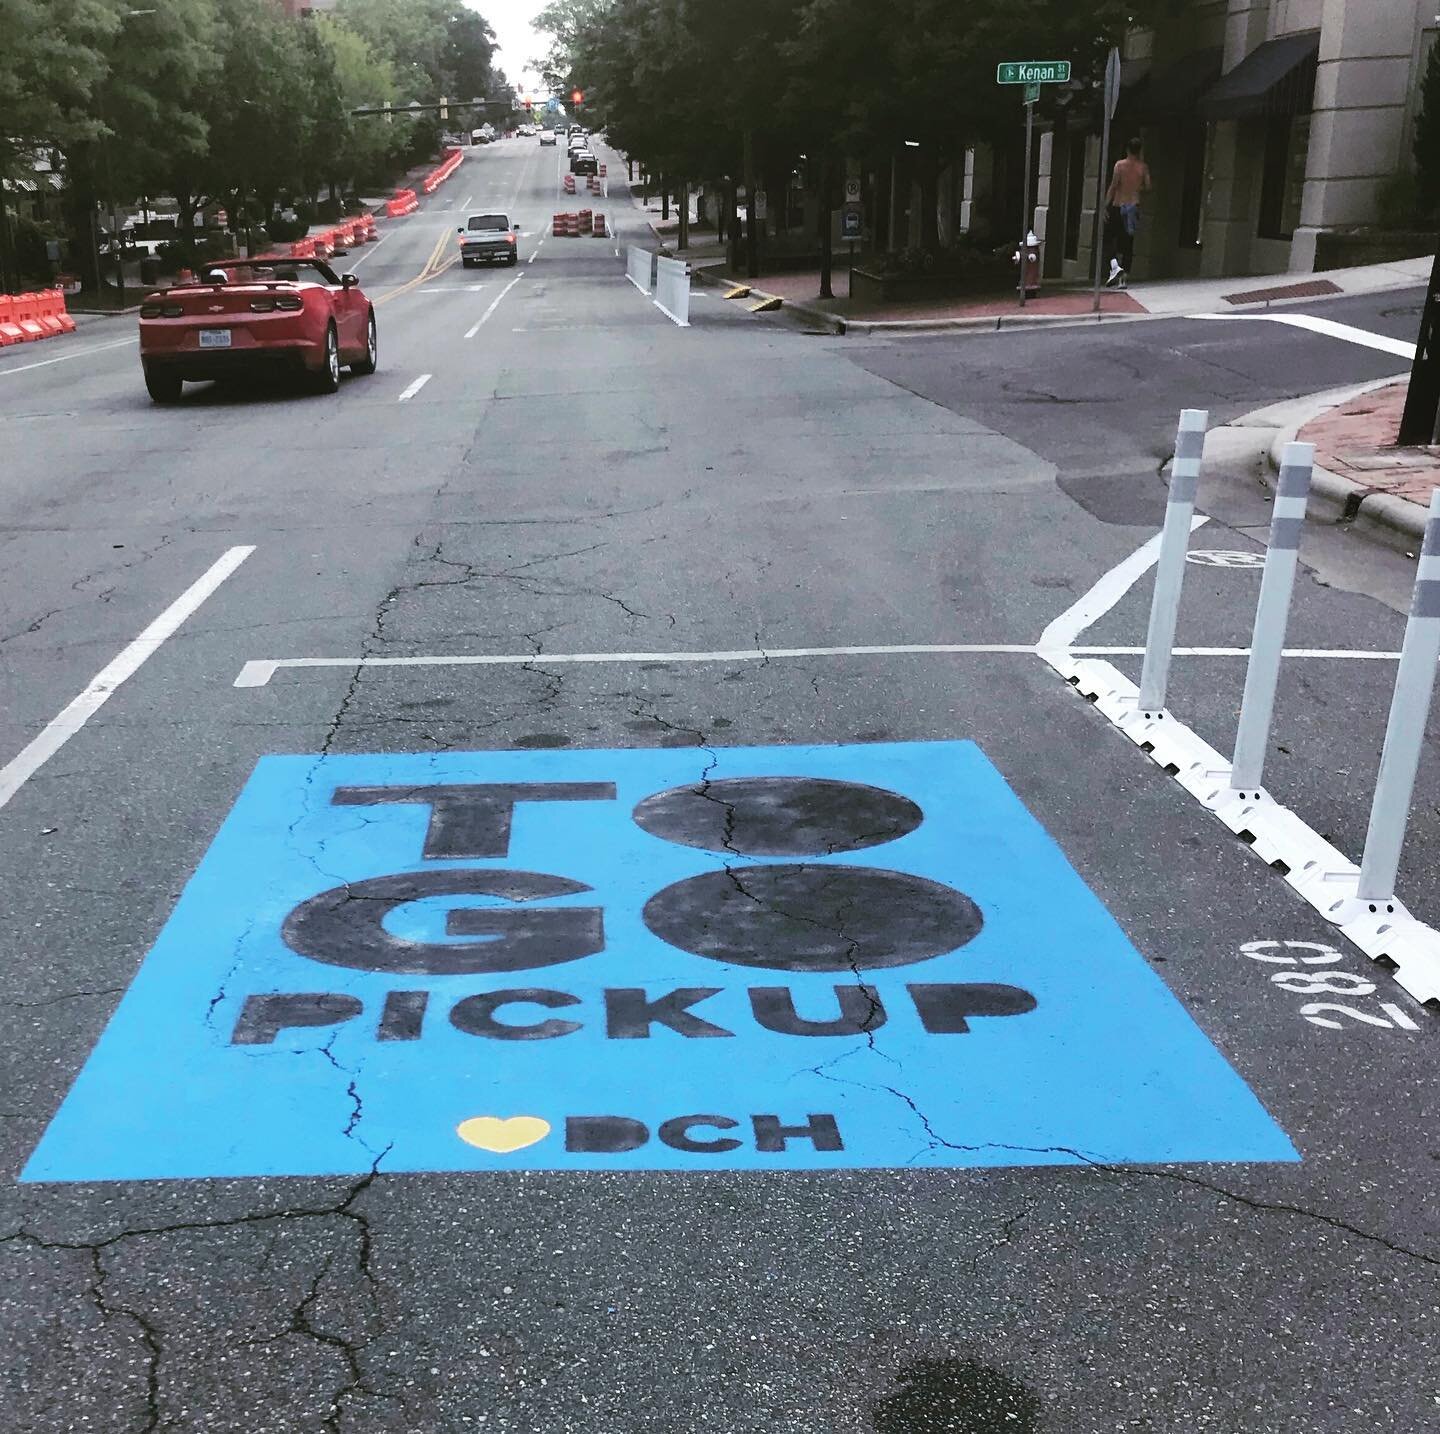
(1069, 303)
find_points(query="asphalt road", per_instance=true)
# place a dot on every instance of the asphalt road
(361, 1162)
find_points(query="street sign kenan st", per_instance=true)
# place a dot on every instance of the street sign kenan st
(1032, 72)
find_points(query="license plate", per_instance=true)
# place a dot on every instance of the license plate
(214, 338)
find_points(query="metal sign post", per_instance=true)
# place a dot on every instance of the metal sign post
(1032, 74)
(1025, 204)
(1112, 99)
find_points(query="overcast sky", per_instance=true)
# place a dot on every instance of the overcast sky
(519, 43)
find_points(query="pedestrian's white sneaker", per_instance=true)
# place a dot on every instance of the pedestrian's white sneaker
(1114, 271)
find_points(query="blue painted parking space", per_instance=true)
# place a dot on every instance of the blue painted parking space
(746, 958)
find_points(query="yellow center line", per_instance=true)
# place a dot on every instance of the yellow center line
(433, 266)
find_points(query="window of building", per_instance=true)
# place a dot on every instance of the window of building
(1282, 184)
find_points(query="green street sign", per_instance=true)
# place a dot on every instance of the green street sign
(1032, 72)
(1032, 94)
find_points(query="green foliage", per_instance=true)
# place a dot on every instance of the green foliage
(52, 58)
(226, 102)
(1397, 202)
(1427, 137)
(679, 82)
(284, 231)
(30, 239)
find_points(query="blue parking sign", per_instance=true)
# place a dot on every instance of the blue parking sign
(743, 958)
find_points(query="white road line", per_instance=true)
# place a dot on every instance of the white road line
(61, 728)
(62, 358)
(259, 671)
(465, 203)
(1060, 635)
(371, 249)
(536, 254)
(415, 388)
(1399, 347)
(494, 304)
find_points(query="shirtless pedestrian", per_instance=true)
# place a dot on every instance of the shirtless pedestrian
(1131, 179)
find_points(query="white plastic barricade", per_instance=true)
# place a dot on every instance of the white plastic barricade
(672, 289)
(637, 267)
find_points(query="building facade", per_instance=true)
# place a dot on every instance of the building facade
(1273, 129)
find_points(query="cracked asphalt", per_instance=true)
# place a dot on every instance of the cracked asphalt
(583, 477)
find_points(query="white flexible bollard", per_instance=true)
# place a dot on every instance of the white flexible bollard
(1405, 731)
(1272, 614)
(1170, 569)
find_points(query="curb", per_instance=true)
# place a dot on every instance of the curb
(1396, 522)
(990, 323)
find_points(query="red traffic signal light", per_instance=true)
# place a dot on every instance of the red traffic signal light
(577, 97)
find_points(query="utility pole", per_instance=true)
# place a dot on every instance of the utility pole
(682, 199)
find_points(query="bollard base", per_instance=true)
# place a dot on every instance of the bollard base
(1311, 866)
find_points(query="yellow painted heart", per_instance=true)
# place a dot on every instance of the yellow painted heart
(491, 1132)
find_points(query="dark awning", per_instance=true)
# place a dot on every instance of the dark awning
(1278, 78)
(1175, 89)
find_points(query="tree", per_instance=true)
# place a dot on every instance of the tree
(52, 56)
(364, 149)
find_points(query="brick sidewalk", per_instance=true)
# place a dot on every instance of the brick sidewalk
(1357, 441)
(802, 287)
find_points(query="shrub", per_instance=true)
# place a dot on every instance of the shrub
(286, 231)
(30, 239)
(1397, 203)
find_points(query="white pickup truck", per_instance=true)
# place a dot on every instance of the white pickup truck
(488, 239)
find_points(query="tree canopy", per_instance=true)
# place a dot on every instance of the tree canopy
(679, 83)
(227, 100)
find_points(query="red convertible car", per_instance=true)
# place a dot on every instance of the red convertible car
(257, 315)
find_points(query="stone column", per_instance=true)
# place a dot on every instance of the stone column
(1356, 134)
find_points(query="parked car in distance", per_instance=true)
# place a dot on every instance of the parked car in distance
(583, 162)
(488, 239)
(269, 313)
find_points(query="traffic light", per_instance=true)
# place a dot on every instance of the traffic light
(577, 98)
(444, 108)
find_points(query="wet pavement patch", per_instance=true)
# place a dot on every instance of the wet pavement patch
(712, 958)
(956, 1396)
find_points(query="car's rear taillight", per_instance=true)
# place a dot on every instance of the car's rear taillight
(261, 306)
(509, 238)
(289, 302)
(150, 311)
(173, 311)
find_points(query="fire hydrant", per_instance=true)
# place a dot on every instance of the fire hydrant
(1027, 260)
